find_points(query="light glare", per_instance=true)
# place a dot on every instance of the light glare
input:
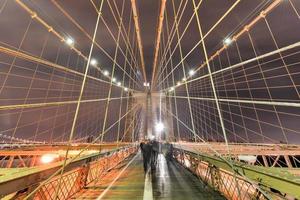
(228, 41)
(106, 73)
(191, 72)
(69, 41)
(48, 158)
(159, 127)
(94, 62)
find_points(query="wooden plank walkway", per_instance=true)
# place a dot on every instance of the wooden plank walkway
(169, 181)
(130, 184)
(172, 181)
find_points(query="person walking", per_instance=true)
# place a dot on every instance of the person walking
(155, 152)
(146, 150)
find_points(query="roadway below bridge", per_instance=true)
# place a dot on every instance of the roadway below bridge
(128, 181)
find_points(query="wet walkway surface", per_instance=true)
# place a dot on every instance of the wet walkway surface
(129, 185)
(168, 181)
(172, 181)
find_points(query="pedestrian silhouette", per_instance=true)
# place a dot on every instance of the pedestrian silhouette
(146, 150)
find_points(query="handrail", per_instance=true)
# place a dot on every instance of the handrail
(23, 178)
(266, 177)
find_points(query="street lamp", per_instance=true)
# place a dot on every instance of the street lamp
(94, 62)
(159, 127)
(69, 41)
(228, 41)
(191, 72)
(106, 73)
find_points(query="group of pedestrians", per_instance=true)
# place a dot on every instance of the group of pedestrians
(150, 151)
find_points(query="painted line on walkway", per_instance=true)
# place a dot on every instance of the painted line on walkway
(117, 177)
(148, 191)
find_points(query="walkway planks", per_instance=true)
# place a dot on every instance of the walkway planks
(130, 185)
(168, 182)
(172, 181)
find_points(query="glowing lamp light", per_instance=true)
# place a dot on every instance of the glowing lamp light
(191, 72)
(183, 79)
(159, 127)
(94, 62)
(247, 158)
(171, 89)
(48, 158)
(152, 137)
(126, 89)
(178, 83)
(114, 79)
(119, 84)
(69, 41)
(146, 84)
(106, 73)
(227, 41)
(187, 163)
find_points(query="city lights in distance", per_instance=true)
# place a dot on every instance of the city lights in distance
(151, 137)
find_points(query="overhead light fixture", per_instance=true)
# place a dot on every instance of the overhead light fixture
(178, 83)
(94, 62)
(146, 84)
(119, 83)
(106, 73)
(125, 89)
(228, 41)
(171, 89)
(69, 41)
(191, 72)
(183, 79)
(159, 127)
(114, 79)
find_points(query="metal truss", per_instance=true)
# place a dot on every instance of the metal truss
(76, 176)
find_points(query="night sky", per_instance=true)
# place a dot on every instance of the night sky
(274, 78)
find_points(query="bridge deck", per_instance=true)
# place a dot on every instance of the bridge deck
(169, 181)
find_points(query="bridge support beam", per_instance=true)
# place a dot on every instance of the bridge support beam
(76, 175)
(238, 181)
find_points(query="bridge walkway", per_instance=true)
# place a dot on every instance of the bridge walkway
(168, 181)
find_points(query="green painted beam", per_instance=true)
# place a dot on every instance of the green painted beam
(269, 177)
(16, 179)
